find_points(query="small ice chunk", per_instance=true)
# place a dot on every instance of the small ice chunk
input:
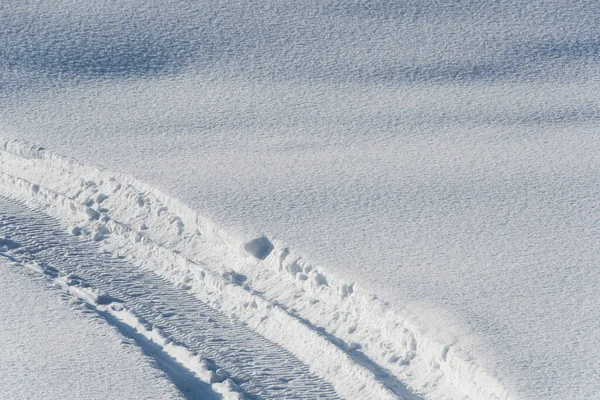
(259, 247)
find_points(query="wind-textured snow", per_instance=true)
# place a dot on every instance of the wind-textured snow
(442, 156)
(49, 351)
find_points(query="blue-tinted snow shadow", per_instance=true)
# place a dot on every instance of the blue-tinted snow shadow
(282, 42)
(526, 60)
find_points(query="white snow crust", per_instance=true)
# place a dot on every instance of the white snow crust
(428, 173)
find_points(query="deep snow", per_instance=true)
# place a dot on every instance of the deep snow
(443, 157)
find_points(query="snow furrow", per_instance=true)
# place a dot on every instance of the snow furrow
(214, 348)
(346, 336)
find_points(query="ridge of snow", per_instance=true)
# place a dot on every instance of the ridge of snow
(54, 349)
(120, 315)
(354, 340)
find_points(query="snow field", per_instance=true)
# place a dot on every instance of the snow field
(353, 340)
(443, 156)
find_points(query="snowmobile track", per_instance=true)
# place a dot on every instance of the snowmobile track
(260, 368)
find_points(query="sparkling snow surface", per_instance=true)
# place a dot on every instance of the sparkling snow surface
(446, 158)
(67, 355)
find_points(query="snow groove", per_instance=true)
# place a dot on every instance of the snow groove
(348, 337)
(216, 349)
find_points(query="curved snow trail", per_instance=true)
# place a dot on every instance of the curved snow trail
(259, 367)
(55, 349)
(342, 334)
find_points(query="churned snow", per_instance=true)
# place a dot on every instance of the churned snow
(443, 157)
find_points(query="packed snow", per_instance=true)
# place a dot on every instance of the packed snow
(418, 182)
(51, 350)
(143, 294)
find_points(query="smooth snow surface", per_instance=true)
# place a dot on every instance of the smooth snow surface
(50, 350)
(443, 156)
